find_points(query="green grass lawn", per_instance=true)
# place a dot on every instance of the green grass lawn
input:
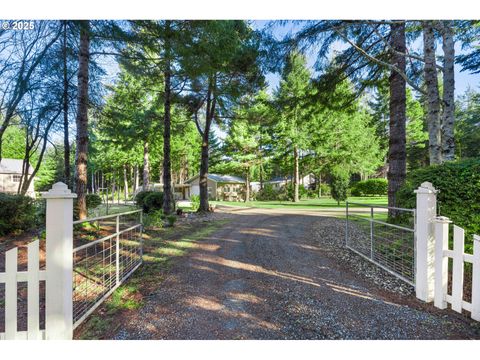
(311, 204)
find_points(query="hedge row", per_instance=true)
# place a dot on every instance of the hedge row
(459, 192)
(370, 187)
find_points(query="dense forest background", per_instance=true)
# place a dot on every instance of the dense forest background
(125, 104)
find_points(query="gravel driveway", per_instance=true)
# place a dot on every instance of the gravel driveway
(268, 274)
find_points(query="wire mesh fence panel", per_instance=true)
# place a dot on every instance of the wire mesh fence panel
(94, 275)
(383, 235)
(130, 250)
(394, 248)
(358, 232)
(130, 219)
(100, 264)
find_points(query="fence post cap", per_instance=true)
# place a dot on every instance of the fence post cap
(426, 188)
(442, 219)
(59, 190)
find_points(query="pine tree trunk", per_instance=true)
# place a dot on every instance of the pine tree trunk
(146, 166)
(433, 98)
(82, 120)
(448, 116)
(261, 175)
(397, 140)
(125, 182)
(114, 188)
(135, 178)
(210, 111)
(247, 183)
(66, 142)
(119, 190)
(204, 206)
(319, 183)
(296, 179)
(167, 174)
(97, 181)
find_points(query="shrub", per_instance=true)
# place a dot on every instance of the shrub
(302, 192)
(153, 201)
(40, 206)
(171, 220)
(17, 213)
(195, 200)
(354, 191)
(268, 192)
(325, 190)
(154, 218)
(93, 200)
(140, 197)
(149, 200)
(370, 187)
(312, 194)
(459, 192)
(339, 186)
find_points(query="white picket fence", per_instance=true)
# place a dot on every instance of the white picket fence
(432, 257)
(11, 277)
(459, 257)
(63, 309)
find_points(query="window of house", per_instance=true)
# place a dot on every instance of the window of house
(16, 178)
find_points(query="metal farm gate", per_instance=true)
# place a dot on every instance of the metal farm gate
(385, 236)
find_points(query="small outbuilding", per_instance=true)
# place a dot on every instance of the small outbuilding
(220, 187)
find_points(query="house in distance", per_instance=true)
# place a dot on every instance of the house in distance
(10, 175)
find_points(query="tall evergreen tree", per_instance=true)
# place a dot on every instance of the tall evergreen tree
(82, 119)
(372, 47)
(293, 110)
(397, 151)
(225, 67)
(160, 48)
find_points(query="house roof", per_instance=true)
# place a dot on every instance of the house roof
(221, 179)
(13, 166)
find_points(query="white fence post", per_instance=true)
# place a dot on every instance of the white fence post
(476, 279)
(425, 244)
(117, 250)
(59, 263)
(441, 261)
